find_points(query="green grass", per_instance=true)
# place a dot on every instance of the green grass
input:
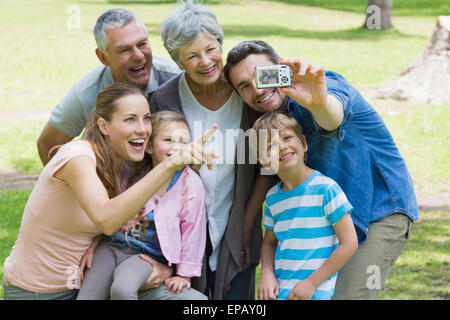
(19, 151)
(50, 58)
(12, 204)
(42, 59)
(422, 135)
(421, 272)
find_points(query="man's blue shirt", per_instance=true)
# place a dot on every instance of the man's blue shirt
(361, 156)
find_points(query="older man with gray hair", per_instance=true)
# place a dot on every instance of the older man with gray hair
(124, 50)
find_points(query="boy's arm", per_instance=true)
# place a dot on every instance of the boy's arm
(252, 208)
(268, 285)
(348, 243)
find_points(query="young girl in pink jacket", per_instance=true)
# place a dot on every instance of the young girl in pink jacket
(171, 228)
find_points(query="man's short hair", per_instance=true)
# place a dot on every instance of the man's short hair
(246, 48)
(113, 18)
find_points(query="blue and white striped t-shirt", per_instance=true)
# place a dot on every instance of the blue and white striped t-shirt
(302, 220)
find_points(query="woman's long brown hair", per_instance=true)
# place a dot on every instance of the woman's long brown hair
(104, 108)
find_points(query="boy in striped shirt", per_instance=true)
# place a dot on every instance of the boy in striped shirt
(309, 232)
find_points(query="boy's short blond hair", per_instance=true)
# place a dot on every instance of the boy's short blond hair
(277, 120)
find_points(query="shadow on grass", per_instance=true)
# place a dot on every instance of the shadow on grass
(259, 31)
(432, 8)
(165, 2)
(253, 32)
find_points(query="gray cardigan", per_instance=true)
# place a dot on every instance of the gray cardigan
(167, 97)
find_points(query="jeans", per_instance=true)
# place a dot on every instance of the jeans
(11, 292)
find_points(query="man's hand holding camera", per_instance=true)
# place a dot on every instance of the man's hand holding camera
(309, 85)
(309, 89)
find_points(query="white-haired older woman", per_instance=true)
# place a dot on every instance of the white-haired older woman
(193, 38)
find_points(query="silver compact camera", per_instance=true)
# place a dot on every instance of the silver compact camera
(273, 76)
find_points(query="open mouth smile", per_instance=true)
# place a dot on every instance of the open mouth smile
(138, 69)
(286, 156)
(209, 71)
(137, 144)
(266, 97)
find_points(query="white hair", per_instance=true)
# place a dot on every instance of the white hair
(183, 25)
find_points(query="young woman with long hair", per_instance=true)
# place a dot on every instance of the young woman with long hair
(78, 196)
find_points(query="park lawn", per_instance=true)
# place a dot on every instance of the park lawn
(421, 272)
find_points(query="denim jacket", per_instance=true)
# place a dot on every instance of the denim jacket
(361, 156)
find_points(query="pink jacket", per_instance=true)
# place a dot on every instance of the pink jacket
(180, 220)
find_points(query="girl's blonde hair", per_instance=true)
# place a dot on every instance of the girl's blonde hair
(161, 117)
(141, 168)
(140, 222)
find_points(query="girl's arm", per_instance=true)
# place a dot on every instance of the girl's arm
(268, 288)
(110, 214)
(348, 244)
(192, 227)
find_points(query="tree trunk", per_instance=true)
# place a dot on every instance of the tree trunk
(426, 80)
(378, 14)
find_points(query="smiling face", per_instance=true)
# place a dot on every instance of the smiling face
(129, 54)
(129, 128)
(169, 135)
(202, 59)
(285, 151)
(242, 77)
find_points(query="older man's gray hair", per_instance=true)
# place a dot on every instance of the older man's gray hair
(113, 18)
(184, 24)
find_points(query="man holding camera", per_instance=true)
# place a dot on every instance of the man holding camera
(124, 50)
(349, 142)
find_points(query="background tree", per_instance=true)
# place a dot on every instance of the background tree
(427, 78)
(378, 14)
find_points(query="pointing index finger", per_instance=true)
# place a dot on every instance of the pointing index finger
(208, 134)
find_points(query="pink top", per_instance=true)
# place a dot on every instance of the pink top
(54, 233)
(180, 221)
